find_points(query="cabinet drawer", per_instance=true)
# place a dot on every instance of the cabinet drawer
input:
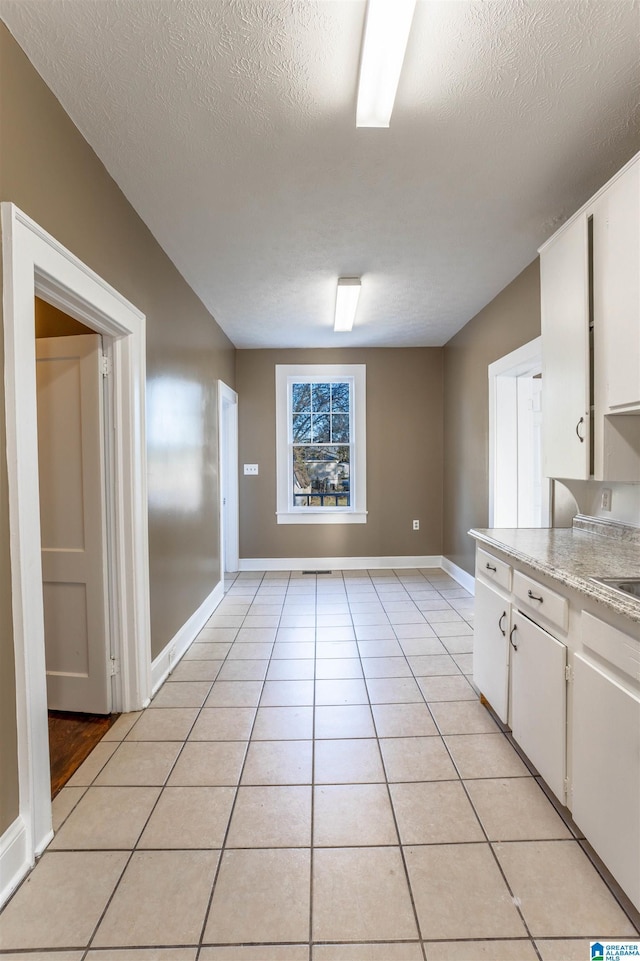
(493, 569)
(542, 602)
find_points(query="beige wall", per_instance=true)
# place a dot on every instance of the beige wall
(404, 456)
(48, 170)
(509, 321)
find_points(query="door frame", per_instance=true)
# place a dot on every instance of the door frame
(34, 263)
(503, 427)
(228, 478)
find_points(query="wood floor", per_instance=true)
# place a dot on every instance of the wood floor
(72, 737)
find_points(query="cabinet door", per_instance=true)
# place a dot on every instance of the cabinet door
(564, 290)
(616, 291)
(539, 699)
(491, 647)
(606, 771)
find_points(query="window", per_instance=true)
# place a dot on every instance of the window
(320, 418)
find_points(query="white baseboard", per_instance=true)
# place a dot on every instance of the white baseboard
(14, 858)
(464, 579)
(336, 563)
(165, 662)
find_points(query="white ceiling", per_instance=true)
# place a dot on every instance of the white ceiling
(230, 127)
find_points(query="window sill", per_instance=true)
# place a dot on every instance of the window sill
(326, 517)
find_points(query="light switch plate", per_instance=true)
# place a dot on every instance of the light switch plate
(251, 468)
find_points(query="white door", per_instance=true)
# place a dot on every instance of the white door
(72, 520)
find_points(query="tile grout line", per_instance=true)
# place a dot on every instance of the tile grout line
(134, 848)
(313, 772)
(515, 901)
(162, 788)
(223, 847)
(397, 829)
(482, 828)
(87, 948)
(480, 824)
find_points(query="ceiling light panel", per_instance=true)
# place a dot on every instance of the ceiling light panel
(386, 34)
(347, 297)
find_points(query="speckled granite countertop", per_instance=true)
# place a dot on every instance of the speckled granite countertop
(573, 556)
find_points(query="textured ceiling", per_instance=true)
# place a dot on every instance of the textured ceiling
(230, 127)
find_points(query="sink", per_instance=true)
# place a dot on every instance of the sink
(626, 585)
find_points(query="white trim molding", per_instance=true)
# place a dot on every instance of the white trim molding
(228, 478)
(14, 858)
(286, 512)
(420, 562)
(331, 517)
(504, 422)
(463, 578)
(337, 563)
(35, 263)
(180, 643)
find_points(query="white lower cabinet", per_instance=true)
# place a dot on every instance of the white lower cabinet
(539, 699)
(573, 704)
(605, 742)
(492, 622)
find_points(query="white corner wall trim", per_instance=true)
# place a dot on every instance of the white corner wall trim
(337, 563)
(464, 579)
(180, 643)
(14, 858)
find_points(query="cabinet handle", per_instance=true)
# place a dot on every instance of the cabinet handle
(500, 627)
(513, 630)
(580, 437)
(490, 568)
(534, 597)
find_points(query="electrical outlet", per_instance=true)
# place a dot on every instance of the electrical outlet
(605, 501)
(416, 525)
(251, 468)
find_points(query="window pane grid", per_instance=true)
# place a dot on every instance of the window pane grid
(321, 442)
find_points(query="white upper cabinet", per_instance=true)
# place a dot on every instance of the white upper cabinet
(564, 280)
(590, 301)
(616, 292)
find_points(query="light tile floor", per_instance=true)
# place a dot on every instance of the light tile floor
(316, 781)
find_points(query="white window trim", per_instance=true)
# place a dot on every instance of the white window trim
(357, 512)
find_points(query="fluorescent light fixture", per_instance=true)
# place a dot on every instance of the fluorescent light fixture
(386, 34)
(346, 302)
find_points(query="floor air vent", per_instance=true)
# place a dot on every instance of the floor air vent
(317, 572)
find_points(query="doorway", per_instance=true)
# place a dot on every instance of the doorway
(519, 495)
(34, 263)
(75, 483)
(228, 474)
